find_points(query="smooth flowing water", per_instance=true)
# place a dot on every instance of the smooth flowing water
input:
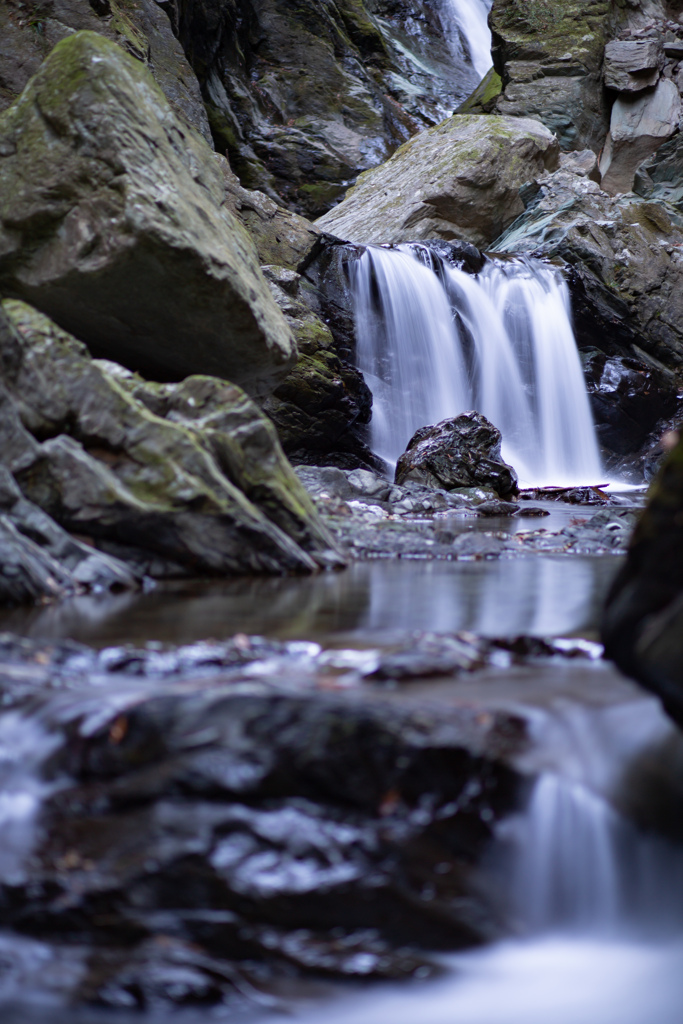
(434, 341)
(467, 32)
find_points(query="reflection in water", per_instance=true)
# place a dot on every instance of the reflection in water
(541, 596)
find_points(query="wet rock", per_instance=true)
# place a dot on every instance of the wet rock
(322, 407)
(191, 473)
(27, 572)
(459, 180)
(549, 58)
(661, 175)
(642, 625)
(632, 64)
(304, 97)
(143, 29)
(497, 508)
(638, 126)
(129, 203)
(629, 398)
(240, 833)
(624, 265)
(459, 452)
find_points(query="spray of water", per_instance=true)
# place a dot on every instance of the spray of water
(432, 345)
(467, 32)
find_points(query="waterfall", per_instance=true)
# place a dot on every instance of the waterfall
(580, 867)
(434, 341)
(467, 32)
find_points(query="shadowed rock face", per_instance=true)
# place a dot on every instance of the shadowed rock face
(458, 180)
(179, 479)
(643, 619)
(459, 452)
(112, 222)
(304, 96)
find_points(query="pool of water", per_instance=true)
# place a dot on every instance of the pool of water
(368, 601)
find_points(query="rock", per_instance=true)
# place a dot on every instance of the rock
(185, 478)
(661, 175)
(642, 624)
(458, 180)
(498, 508)
(549, 58)
(247, 832)
(27, 572)
(130, 207)
(303, 97)
(623, 264)
(143, 29)
(632, 64)
(638, 126)
(483, 99)
(322, 407)
(460, 452)
(629, 398)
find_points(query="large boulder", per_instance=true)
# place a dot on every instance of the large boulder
(112, 221)
(549, 57)
(178, 479)
(643, 619)
(632, 64)
(458, 180)
(143, 29)
(304, 96)
(460, 452)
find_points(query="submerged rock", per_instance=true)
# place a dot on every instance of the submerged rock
(458, 180)
(186, 478)
(112, 221)
(643, 619)
(460, 452)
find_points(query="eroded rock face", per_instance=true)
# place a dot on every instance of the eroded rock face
(639, 124)
(136, 253)
(643, 619)
(549, 56)
(304, 96)
(624, 262)
(460, 452)
(458, 180)
(178, 479)
(632, 64)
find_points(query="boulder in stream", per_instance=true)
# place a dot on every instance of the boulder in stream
(113, 223)
(464, 451)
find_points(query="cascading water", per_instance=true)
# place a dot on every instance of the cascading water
(467, 31)
(434, 341)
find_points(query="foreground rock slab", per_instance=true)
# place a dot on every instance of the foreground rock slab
(112, 222)
(458, 180)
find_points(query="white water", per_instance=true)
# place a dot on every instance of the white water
(467, 32)
(501, 342)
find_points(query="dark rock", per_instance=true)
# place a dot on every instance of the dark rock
(661, 176)
(460, 180)
(460, 452)
(192, 473)
(303, 97)
(643, 618)
(532, 511)
(130, 204)
(322, 407)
